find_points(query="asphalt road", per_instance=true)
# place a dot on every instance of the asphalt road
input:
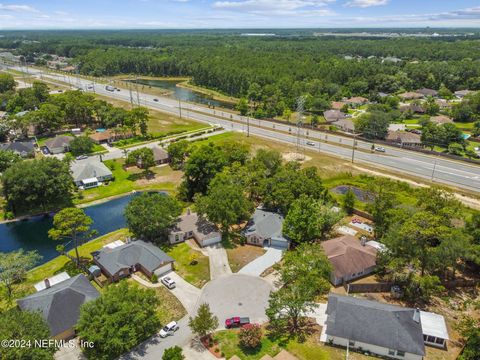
(438, 169)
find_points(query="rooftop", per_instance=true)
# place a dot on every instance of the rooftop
(196, 224)
(88, 169)
(58, 141)
(267, 224)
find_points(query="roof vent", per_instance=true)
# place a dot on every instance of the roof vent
(416, 316)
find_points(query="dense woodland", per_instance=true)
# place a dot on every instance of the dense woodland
(272, 71)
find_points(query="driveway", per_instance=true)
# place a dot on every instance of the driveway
(185, 292)
(237, 295)
(218, 259)
(262, 263)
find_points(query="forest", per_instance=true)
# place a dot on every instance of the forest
(272, 72)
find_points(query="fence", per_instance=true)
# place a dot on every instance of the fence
(452, 284)
(369, 287)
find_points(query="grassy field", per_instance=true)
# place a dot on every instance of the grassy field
(197, 274)
(125, 181)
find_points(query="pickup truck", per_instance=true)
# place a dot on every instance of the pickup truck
(236, 322)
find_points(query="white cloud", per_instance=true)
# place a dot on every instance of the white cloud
(366, 3)
(275, 7)
(18, 8)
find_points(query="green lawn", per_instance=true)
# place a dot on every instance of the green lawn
(198, 274)
(311, 349)
(125, 181)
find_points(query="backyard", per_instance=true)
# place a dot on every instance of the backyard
(190, 264)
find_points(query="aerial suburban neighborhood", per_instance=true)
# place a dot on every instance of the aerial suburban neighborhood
(177, 182)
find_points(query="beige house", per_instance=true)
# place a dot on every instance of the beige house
(404, 138)
(193, 226)
(441, 119)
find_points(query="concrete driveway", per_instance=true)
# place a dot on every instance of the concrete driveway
(262, 263)
(320, 316)
(218, 259)
(237, 295)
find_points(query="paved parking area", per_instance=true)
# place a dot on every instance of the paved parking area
(262, 263)
(237, 295)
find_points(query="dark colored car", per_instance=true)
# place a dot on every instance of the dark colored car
(236, 322)
(156, 100)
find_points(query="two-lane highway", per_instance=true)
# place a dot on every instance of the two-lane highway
(441, 170)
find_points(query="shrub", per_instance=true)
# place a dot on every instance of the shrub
(154, 278)
(250, 336)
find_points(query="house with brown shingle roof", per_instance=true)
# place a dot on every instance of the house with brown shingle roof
(357, 100)
(160, 155)
(333, 115)
(411, 96)
(441, 119)
(404, 138)
(193, 226)
(428, 92)
(350, 259)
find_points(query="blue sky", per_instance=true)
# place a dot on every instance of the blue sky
(99, 14)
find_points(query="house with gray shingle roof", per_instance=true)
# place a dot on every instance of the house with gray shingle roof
(59, 144)
(60, 304)
(382, 329)
(23, 148)
(265, 228)
(193, 226)
(89, 172)
(119, 262)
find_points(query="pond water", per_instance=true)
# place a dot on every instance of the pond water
(183, 94)
(32, 234)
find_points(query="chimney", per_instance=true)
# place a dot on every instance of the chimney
(47, 283)
(416, 316)
(363, 240)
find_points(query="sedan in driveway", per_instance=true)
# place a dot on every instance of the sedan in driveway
(168, 282)
(169, 329)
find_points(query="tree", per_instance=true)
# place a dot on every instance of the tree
(149, 216)
(138, 117)
(48, 118)
(143, 158)
(27, 326)
(308, 219)
(469, 328)
(120, 319)
(173, 353)
(178, 151)
(7, 159)
(242, 106)
(7, 83)
(476, 128)
(14, 265)
(373, 125)
(225, 202)
(431, 106)
(287, 308)
(349, 202)
(37, 186)
(455, 149)
(307, 264)
(81, 145)
(383, 201)
(204, 323)
(71, 224)
(315, 120)
(250, 336)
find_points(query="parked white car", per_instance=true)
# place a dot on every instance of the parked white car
(168, 282)
(380, 149)
(169, 329)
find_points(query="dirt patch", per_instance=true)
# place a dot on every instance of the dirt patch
(240, 256)
(293, 156)
(174, 178)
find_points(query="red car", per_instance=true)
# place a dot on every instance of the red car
(236, 322)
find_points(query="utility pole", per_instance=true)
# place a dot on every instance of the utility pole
(180, 107)
(300, 110)
(433, 172)
(353, 147)
(138, 96)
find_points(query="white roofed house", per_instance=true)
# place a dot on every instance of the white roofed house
(90, 173)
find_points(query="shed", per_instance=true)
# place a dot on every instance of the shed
(94, 270)
(434, 329)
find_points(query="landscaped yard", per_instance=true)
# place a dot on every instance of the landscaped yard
(197, 274)
(311, 349)
(241, 255)
(125, 181)
(170, 307)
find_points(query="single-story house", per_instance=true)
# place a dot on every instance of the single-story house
(404, 138)
(418, 109)
(59, 144)
(381, 329)
(160, 155)
(357, 101)
(428, 92)
(90, 172)
(444, 104)
(23, 148)
(337, 105)
(333, 115)
(101, 137)
(411, 96)
(265, 229)
(119, 262)
(350, 259)
(462, 93)
(59, 304)
(345, 125)
(441, 119)
(193, 226)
